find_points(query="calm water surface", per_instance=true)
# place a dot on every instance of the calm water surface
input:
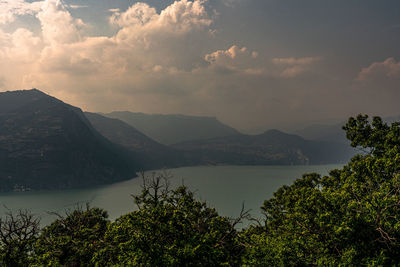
(222, 187)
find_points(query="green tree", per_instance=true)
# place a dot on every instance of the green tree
(72, 240)
(170, 228)
(350, 217)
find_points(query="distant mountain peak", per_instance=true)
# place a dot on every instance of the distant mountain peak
(174, 128)
(48, 144)
(12, 100)
(25, 91)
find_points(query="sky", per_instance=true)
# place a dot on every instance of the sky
(253, 64)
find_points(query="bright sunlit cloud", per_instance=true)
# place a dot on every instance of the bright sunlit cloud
(11, 9)
(176, 58)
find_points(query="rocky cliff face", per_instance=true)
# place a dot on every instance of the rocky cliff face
(47, 144)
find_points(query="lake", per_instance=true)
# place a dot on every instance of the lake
(222, 187)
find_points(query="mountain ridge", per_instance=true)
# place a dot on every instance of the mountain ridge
(170, 129)
(147, 152)
(47, 144)
(270, 147)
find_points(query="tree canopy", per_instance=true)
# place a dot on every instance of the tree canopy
(170, 228)
(349, 217)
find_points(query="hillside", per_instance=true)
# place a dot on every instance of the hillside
(47, 144)
(147, 153)
(321, 132)
(171, 129)
(121, 133)
(271, 147)
(332, 132)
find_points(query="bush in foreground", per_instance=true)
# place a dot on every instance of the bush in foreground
(350, 217)
(170, 228)
(73, 239)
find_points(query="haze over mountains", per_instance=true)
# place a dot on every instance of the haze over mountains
(147, 153)
(270, 148)
(332, 132)
(327, 132)
(48, 144)
(172, 129)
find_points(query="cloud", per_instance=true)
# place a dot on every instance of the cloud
(141, 21)
(114, 10)
(155, 61)
(2, 82)
(378, 85)
(172, 39)
(77, 6)
(137, 15)
(20, 46)
(5, 43)
(388, 69)
(146, 42)
(6, 17)
(234, 59)
(292, 67)
(242, 60)
(58, 26)
(10, 9)
(88, 57)
(25, 46)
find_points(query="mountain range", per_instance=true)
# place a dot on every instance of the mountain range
(270, 148)
(324, 132)
(172, 129)
(332, 132)
(48, 144)
(146, 152)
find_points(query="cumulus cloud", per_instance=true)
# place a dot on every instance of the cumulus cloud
(25, 46)
(174, 34)
(157, 61)
(6, 17)
(58, 26)
(171, 39)
(388, 69)
(178, 18)
(166, 43)
(137, 15)
(234, 59)
(10, 9)
(292, 67)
